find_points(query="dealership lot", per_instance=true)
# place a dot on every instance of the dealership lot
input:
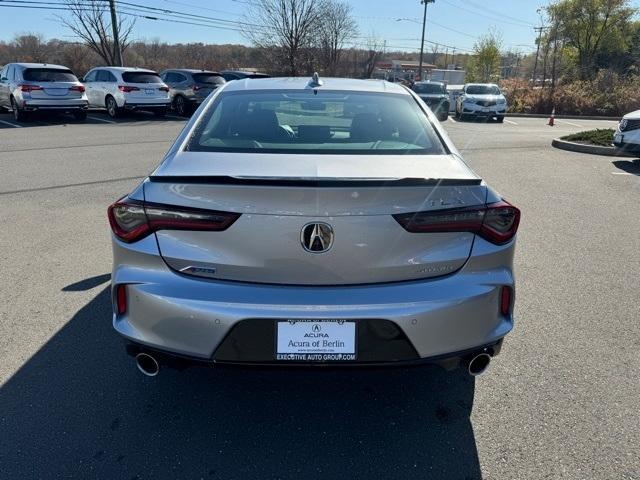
(561, 401)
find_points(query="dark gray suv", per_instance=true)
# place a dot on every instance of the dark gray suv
(188, 87)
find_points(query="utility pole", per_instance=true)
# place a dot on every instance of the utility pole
(535, 65)
(116, 38)
(424, 24)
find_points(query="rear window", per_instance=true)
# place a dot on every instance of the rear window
(329, 122)
(49, 75)
(429, 88)
(211, 78)
(482, 90)
(141, 77)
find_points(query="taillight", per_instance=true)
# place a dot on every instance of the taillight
(30, 88)
(121, 299)
(127, 88)
(505, 301)
(77, 88)
(132, 220)
(164, 89)
(497, 222)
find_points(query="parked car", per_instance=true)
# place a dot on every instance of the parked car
(188, 88)
(627, 134)
(435, 95)
(481, 100)
(35, 87)
(454, 92)
(277, 231)
(238, 74)
(120, 89)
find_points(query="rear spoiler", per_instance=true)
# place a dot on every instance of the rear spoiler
(317, 182)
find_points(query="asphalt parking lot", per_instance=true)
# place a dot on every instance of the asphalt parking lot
(561, 401)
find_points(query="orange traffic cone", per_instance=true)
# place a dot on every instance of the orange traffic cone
(552, 118)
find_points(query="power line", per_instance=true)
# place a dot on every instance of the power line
(495, 12)
(495, 19)
(136, 11)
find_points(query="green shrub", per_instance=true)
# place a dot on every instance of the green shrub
(600, 136)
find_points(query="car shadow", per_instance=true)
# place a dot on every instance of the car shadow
(629, 166)
(80, 409)
(88, 283)
(39, 119)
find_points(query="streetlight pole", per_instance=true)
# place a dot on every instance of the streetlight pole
(424, 24)
(116, 38)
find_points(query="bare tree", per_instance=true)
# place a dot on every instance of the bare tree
(90, 20)
(287, 30)
(337, 26)
(374, 50)
(32, 47)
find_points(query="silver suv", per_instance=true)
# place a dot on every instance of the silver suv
(31, 87)
(188, 88)
(122, 88)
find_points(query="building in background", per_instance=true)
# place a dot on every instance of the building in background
(398, 70)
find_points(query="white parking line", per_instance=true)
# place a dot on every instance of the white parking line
(510, 121)
(569, 123)
(453, 119)
(11, 124)
(622, 173)
(100, 119)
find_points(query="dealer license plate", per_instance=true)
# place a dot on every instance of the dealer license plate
(316, 340)
(485, 109)
(149, 91)
(618, 137)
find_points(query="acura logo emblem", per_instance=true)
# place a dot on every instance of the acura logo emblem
(316, 237)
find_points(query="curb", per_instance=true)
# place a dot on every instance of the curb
(592, 149)
(567, 117)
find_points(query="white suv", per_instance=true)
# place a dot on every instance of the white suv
(627, 135)
(120, 88)
(481, 100)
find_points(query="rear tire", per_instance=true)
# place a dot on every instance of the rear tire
(500, 119)
(19, 115)
(112, 107)
(81, 116)
(160, 112)
(443, 117)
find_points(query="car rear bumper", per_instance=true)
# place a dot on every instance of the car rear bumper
(151, 105)
(50, 105)
(193, 317)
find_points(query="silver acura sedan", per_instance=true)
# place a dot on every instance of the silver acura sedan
(313, 222)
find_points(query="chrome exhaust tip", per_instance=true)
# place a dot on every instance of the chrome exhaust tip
(147, 364)
(478, 364)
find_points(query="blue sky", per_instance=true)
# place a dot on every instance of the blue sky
(455, 23)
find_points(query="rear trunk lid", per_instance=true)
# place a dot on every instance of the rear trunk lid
(146, 92)
(148, 86)
(53, 83)
(279, 199)
(56, 91)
